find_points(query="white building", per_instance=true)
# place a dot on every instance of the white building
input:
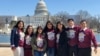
(40, 16)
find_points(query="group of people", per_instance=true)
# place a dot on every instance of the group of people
(53, 40)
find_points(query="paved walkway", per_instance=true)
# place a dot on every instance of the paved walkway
(6, 51)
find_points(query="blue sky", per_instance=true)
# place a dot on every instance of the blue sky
(24, 7)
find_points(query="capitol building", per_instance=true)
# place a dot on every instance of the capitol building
(39, 18)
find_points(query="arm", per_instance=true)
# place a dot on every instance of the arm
(94, 41)
(33, 43)
(12, 38)
(45, 45)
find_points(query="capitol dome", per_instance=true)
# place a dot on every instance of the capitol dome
(41, 8)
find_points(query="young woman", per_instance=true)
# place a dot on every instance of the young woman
(50, 36)
(39, 43)
(17, 39)
(61, 40)
(85, 37)
(27, 40)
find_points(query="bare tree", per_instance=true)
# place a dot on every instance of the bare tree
(60, 16)
(93, 22)
(83, 14)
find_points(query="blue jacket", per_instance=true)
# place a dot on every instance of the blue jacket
(14, 40)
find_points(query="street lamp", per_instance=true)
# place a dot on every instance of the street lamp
(6, 26)
(6, 20)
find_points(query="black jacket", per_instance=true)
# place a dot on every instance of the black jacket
(62, 49)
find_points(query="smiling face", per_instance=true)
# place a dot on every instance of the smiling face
(60, 26)
(20, 25)
(40, 30)
(30, 30)
(71, 23)
(83, 24)
(49, 26)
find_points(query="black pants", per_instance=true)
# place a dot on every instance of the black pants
(73, 50)
(62, 51)
(84, 52)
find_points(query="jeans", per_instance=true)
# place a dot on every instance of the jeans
(51, 52)
(38, 53)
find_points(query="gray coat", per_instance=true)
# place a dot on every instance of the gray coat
(34, 43)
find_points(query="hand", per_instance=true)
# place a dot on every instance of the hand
(95, 50)
(13, 48)
(41, 49)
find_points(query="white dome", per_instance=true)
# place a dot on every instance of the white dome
(41, 8)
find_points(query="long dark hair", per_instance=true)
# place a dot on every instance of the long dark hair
(26, 32)
(39, 27)
(63, 27)
(46, 28)
(16, 26)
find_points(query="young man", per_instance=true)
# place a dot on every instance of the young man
(72, 32)
(85, 37)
